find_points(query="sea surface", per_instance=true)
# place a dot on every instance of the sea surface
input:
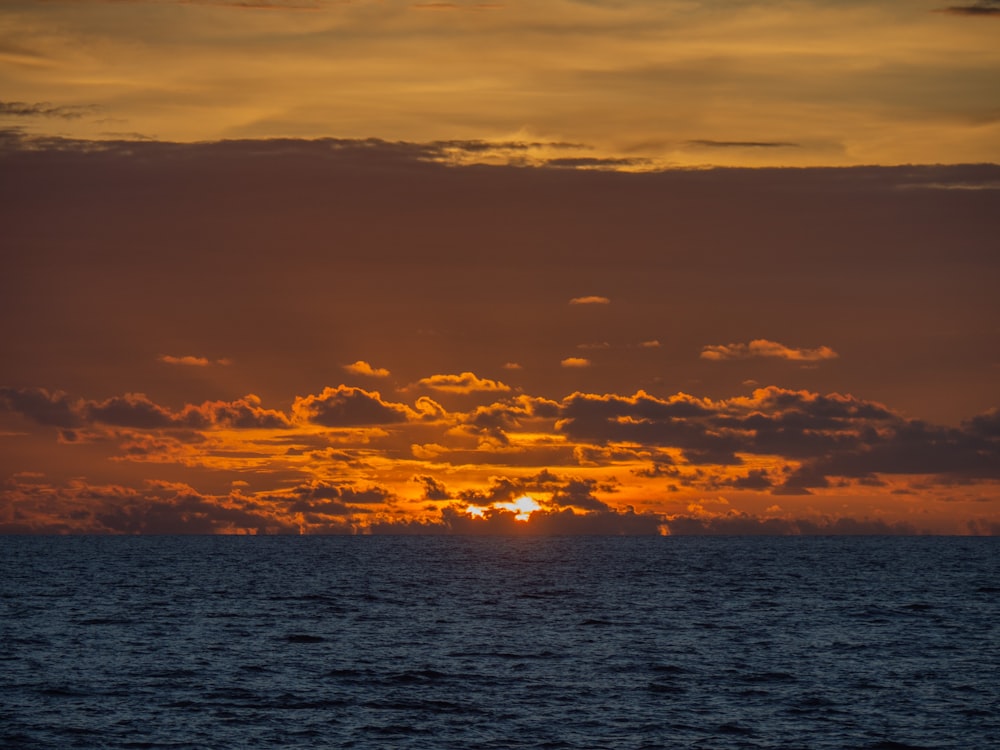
(460, 642)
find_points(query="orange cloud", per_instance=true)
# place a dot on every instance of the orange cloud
(466, 382)
(765, 348)
(384, 463)
(364, 368)
(591, 300)
(575, 362)
(190, 361)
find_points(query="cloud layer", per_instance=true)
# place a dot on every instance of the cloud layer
(346, 459)
(627, 85)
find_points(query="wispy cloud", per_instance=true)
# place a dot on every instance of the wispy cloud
(590, 300)
(705, 143)
(765, 348)
(457, 6)
(980, 8)
(192, 361)
(575, 362)
(466, 382)
(45, 109)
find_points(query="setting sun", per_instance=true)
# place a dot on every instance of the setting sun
(522, 507)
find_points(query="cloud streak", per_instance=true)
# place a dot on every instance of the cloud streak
(464, 383)
(985, 8)
(765, 348)
(46, 109)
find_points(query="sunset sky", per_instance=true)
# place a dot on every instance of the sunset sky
(611, 267)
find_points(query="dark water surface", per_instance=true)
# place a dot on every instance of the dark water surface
(391, 642)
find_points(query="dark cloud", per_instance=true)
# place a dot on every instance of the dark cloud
(347, 494)
(566, 491)
(661, 468)
(136, 410)
(980, 8)
(456, 6)
(433, 489)
(130, 410)
(345, 406)
(833, 434)
(479, 146)
(159, 508)
(755, 479)
(552, 523)
(44, 407)
(243, 413)
(910, 447)
(45, 109)
(741, 144)
(579, 493)
(743, 524)
(588, 162)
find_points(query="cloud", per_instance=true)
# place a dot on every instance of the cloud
(363, 368)
(466, 382)
(981, 8)
(45, 109)
(765, 348)
(591, 162)
(191, 361)
(564, 522)
(651, 344)
(734, 523)
(323, 498)
(742, 144)
(512, 366)
(241, 413)
(252, 5)
(591, 300)
(136, 410)
(51, 408)
(575, 362)
(157, 508)
(131, 410)
(829, 435)
(345, 406)
(186, 360)
(433, 489)
(457, 6)
(579, 493)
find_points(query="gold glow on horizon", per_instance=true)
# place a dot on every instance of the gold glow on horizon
(522, 507)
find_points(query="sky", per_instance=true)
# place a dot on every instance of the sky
(536, 268)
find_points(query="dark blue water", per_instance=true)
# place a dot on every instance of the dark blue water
(391, 642)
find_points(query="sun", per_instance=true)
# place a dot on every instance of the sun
(522, 507)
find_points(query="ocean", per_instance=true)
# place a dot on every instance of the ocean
(464, 642)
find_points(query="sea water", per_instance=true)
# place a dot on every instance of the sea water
(459, 642)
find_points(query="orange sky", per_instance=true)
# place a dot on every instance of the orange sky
(654, 82)
(348, 267)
